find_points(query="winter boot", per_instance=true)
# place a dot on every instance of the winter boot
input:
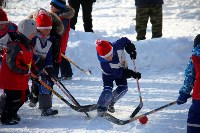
(111, 108)
(48, 112)
(101, 111)
(33, 102)
(17, 118)
(9, 121)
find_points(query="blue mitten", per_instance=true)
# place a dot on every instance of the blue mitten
(182, 98)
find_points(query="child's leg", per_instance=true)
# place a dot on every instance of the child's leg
(45, 100)
(193, 121)
(66, 70)
(118, 93)
(106, 95)
(121, 89)
(13, 102)
(34, 94)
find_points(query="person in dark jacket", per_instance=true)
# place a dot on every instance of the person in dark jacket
(146, 9)
(192, 82)
(8, 31)
(65, 13)
(87, 13)
(15, 71)
(114, 68)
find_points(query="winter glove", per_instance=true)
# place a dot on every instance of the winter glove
(182, 98)
(130, 49)
(50, 71)
(131, 74)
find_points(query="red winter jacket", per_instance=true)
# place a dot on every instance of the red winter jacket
(15, 67)
(196, 89)
(64, 38)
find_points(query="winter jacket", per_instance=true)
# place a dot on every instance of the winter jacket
(65, 17)
(192, 75)
(17, 59)
(147, 2)
(42, 49)
(115, 67)
(196, 88)
(56, 33)
(8, 34)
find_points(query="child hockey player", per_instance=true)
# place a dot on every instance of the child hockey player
(8, 31)
(43, 60)
(192, 82)
(114, 68)
(14, 72)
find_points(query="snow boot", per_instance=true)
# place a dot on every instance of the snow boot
(48, 112)
(101, 111)
(17, 117)
(33, 102)
(10, 121)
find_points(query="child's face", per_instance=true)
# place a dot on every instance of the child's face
(109, 58)
(32, 36)
(45, 32)
(2, 26)
(53, 9)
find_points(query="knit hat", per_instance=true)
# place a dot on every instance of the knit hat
(3, 17)
(44, 21)
(27, 27)
(59, 4)
(104, 49)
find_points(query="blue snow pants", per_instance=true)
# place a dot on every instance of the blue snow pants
(193, 121)
(109, 96)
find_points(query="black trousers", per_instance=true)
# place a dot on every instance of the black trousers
(87, 13)
(64, 67)
(14, 100)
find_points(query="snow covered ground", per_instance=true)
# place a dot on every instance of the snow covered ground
(161, 62)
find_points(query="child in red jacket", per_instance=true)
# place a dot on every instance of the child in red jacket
(14, 72)
(8, 33)
(65, 13)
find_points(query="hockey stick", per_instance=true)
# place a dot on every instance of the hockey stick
(117, 121)
(139, 107)
(87, 72)
(64, 90)
(85, 108)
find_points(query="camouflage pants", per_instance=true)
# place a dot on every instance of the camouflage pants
(143, 13)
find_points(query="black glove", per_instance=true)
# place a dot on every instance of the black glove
(131, 74)
(50, 71)
(130, 49)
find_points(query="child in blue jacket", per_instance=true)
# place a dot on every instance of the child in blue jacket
(192, 82)
(114, 68)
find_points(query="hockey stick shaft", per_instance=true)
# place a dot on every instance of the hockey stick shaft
(153, 111)
(85, 108)
(140, 96)
(87, 72)
(64, 90)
